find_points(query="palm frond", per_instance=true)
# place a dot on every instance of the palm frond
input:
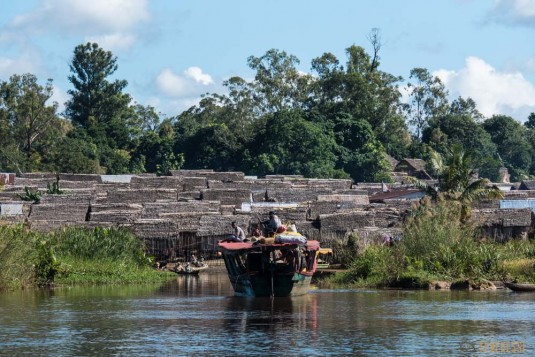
(480, 190)
(436, 162)
(423, 186)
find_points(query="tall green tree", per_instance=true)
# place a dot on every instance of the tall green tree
(212, 147)
(363, 91)
(97, 104)
(27, 118)
(156, 150)
(237, 110)
(466, 106)
(361, 155)
(278, 84)
(288, 143)
(460, 127)
(512, 142)
(530, 123)
(427, 99)
(76, 153)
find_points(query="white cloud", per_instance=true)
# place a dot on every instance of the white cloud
(24, 63)
(171, 84)
(196, 74)
(111, 42)
(85, 16)
(191, 81)
(494, 92)
(111, 23)
(514, 12)
(181, 91)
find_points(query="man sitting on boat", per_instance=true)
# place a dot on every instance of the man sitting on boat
(238, 235)
(274, 224)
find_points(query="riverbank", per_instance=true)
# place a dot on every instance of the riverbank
(438, 246)
(73, 256)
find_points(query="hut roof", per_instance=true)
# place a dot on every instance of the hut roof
(527, 185)
(393, 162)
(417, 164)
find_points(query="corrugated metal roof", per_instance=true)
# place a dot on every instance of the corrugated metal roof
(410, 194)
(518, 204)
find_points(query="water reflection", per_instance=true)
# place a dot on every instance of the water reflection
(271, 314)
(201, 315)
(202, 284)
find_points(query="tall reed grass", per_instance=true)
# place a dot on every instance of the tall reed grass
(18, 257)
(73, 256)
(99, 244)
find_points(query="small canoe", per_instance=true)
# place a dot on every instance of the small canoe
(189, 269)
(520, 287)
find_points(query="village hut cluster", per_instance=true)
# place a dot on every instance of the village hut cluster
(191, 210)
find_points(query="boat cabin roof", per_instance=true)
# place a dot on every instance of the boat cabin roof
(326, 251)
(311, 244)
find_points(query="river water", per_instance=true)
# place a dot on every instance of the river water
(200, 316)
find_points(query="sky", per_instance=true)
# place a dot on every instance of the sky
(173, 51)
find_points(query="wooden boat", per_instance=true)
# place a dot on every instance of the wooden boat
(190, 268)
(520, 287)
(270, 269)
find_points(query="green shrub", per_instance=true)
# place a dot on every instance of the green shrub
(374, 261)
(53, 189)
(344, 251)
(435, 240)
(47, 265)
(376, 266)
(29, 195)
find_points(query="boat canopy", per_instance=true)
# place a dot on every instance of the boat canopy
(325, 251)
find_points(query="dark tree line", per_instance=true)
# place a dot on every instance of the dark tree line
(339, 121)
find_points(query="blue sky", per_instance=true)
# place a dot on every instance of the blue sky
(172, 51)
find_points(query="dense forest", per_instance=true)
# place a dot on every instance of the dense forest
(338, 121)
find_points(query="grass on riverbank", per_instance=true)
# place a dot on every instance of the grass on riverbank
(437, 245)
(101, 271)
(73, 256)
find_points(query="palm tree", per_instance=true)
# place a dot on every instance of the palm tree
(457, 180)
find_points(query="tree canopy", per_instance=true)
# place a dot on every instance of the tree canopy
(341, 119)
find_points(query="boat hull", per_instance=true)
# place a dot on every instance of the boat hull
(277, 270)
(521, 287)
(261, 285)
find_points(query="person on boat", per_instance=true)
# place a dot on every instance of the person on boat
(238, 235)
(274, 223)
(292, 228)
(257, 232)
